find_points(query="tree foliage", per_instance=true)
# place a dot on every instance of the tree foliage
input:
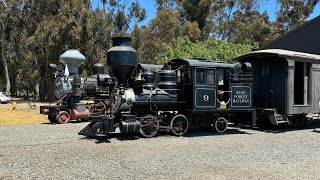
(161, 30)
(217, 50)
(121, 19)
(293, 13)
(35, 33)
(241, 22)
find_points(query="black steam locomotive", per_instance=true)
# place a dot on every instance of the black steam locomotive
(190, 93)
(70, 89)
(268, 87)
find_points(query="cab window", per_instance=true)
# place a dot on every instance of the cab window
(200, 76)
(210, 76)
(205, 76)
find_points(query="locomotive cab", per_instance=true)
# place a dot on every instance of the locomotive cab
(210, 86)
(213, 90)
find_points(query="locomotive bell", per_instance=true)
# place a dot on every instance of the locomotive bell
(72, 59)
(122, 59)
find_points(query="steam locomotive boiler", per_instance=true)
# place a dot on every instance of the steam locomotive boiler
(70, 88)
(191, 93)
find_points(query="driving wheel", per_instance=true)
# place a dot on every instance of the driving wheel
(179, 124)
(220, 125)
(150, 126)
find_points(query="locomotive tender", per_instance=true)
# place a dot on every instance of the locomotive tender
(191, 93)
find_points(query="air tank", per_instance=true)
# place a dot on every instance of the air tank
(148, 77)
(122, 60)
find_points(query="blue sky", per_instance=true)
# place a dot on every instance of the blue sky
(267, 5)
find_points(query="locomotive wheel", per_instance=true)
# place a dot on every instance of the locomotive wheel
(179, 124)
(220, 125)
(150, 126)
(63, 117)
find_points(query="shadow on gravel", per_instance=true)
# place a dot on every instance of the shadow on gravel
(97, 139)
(127, 137)
(198, 133)
(211, 133)
(316, 128)
(49, 123)
(121, 137)
(284, 129)
(103, 139)
(71, 122)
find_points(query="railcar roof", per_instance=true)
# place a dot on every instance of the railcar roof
(288, 55)
(200, 63)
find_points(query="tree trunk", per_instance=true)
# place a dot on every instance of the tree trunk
(36, 91)
(1, 87)
(4, 62)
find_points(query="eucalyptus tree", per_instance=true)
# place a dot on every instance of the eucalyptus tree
(9, 20)
(293, 13)
(124, 12)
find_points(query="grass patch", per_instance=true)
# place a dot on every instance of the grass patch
(22, 115)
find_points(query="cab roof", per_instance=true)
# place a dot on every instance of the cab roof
(199, 63)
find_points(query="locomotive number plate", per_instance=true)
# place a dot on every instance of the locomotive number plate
(205, 98)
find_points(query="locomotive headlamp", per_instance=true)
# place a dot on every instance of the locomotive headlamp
(56, 67)
(129, 101)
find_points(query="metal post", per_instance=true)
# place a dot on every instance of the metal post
(305, 84)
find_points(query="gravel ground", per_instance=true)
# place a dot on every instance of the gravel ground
(45, 151)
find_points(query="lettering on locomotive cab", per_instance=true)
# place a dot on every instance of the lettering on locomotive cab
(240, 96)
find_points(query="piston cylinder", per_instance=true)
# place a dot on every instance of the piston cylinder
(129, 124)
(108, 123)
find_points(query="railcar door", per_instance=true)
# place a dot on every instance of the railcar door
(205, 89)
(270, 84)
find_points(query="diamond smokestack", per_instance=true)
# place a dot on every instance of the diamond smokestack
(72, 59)
(122, 59)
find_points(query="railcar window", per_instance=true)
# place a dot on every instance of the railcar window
(302, 83)
(210, 76)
